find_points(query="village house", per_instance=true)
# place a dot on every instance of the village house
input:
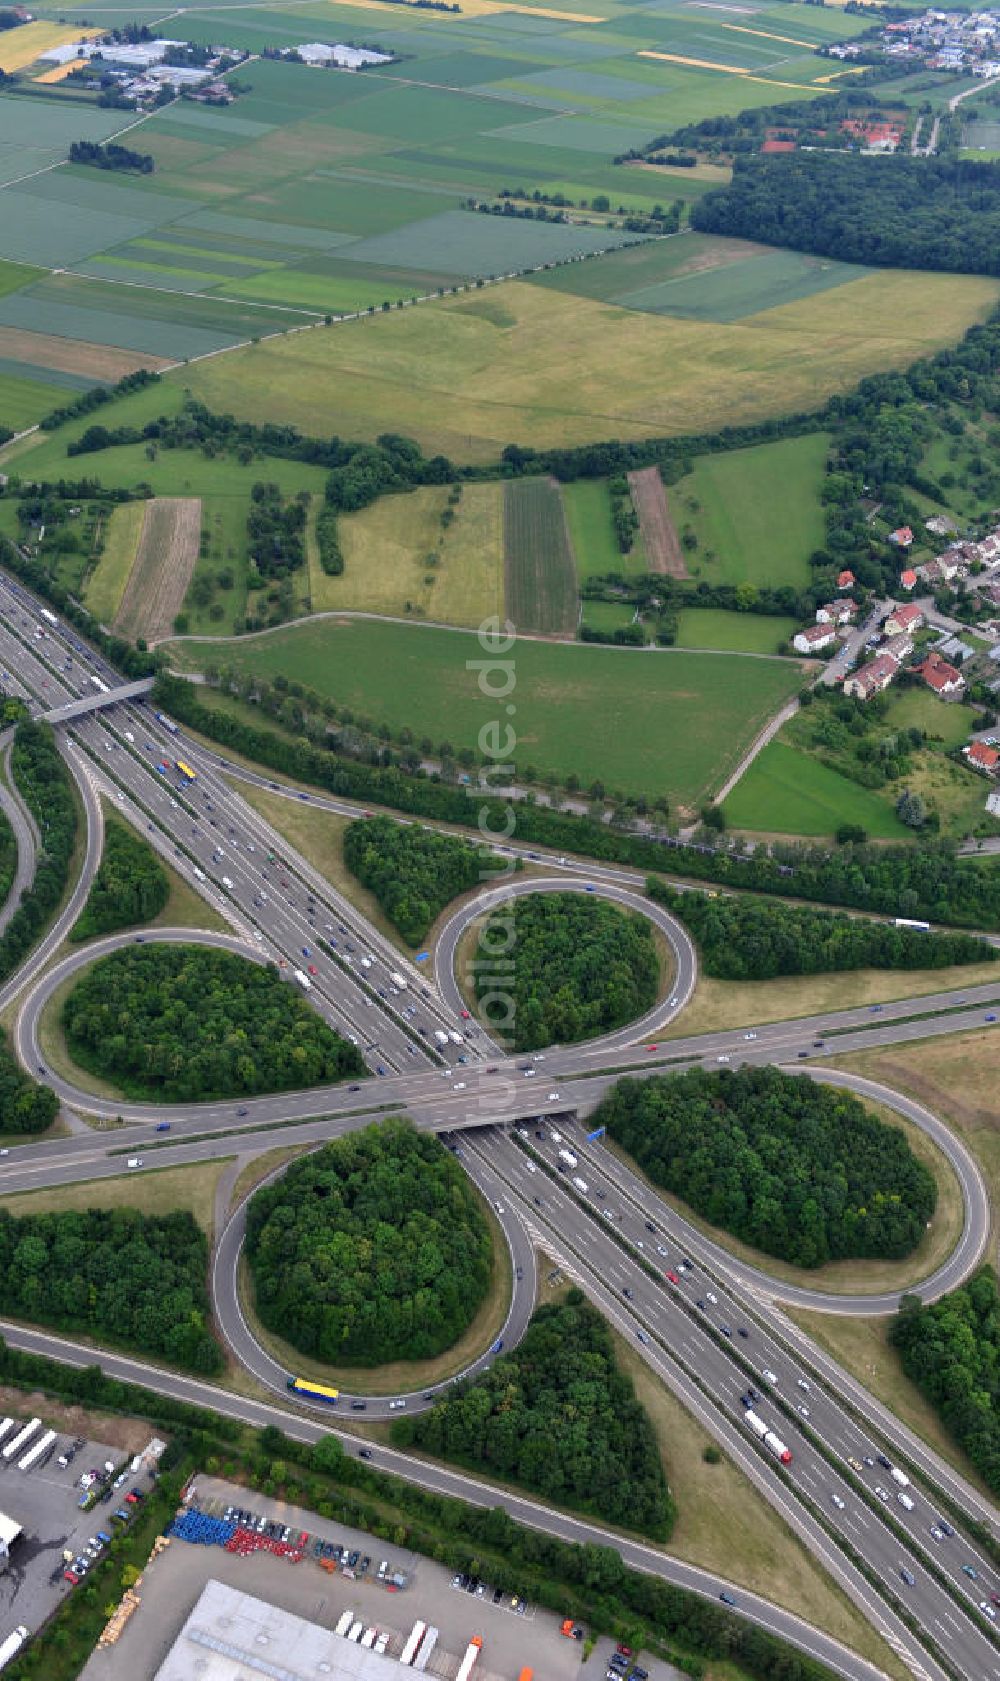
(814, 638)
(982, 758)
(837, 612)
(872, 678)
(898, 647)
(845, 580)
(907, 579)
(903, 619)
(902, 537)
(944, 679)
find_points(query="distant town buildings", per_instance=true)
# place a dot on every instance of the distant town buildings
(966, 43)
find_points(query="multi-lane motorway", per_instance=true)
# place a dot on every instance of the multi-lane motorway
(709, 1335)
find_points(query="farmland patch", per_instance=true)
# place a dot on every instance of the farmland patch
(94, 362)
(108, 581)
(755, 514)
(659, 534)
(168, 549)
(538, 561)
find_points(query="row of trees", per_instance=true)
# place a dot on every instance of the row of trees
(111, 156)
(745, 939)
(414, 872)
(557, 1416)
(924, 213)
(929, 881)
(130, 887)
(25, 1106)
(565, 968)
(951, 1350)
(95, 397)
(44, 781)
(276, 530)
(188, 1023)
(800, 1170)
(137, 1280)
(373, 1249)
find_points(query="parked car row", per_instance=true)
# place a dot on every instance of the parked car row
(330, 1554)
(497, 1596)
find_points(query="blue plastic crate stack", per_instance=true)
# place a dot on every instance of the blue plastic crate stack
(204, 1531)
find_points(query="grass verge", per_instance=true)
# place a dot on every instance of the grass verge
(162, 1190)
(717, 1005)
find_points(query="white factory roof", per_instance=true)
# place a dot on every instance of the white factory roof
(65, 54)
(231, 1636)
(141, 54)
(349, 58)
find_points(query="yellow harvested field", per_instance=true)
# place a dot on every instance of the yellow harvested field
(726, 69)
(59, 72)
(550, 369)
(20, 47)
(106, 586)
(74, 356)
(768, 35)
(477, 9)
(159, 577)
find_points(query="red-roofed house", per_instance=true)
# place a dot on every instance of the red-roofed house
(902, 538)
(943, 678)
(982, 757)
(845, 581)
(814, 638)
(908, 579)
(778, 146)
(872, 678)
(836, 612)
(902, 620)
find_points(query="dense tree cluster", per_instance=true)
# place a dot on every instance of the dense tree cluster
(331, 555)
(42, 778)
(414, 872)
(130, 887)
(800, 1170)
(745, 939)
(373, 1249)
(807, 121)
(25, 1106)
(925, 213)
(188, 1023)
(275, 530)
(929, 881)
(111, 156)
(951, 1350)
(139, 1280)
(578, 967)
(556, 1415)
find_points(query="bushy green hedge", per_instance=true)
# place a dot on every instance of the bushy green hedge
(189, 1023)
(579, 967)
(137, 1280)
(556, 1415)
(25, 1105)
(745, 939)
(414, 872)
(799, 1169)
(951, 1350)
(130, 887)
(44, 782)
(373, 1249)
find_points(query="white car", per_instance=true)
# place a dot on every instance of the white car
(722, 1058)
(459, 1085)
(749, 1035)
(838, 1502)
(553, 1097)
(713, 1298)
(769, 1377)
(804, 1411)
(988, 1610)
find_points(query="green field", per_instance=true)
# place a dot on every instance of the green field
(660, 723)
(746, 633)
(755, 512)
(787, 792)
(607, 615)
(592, 533)
(919, 709)
(539, 574)
(106, 585)
(543, 368)
(24, 401)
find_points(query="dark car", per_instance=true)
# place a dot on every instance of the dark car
(727, 1599)
(364, 1453)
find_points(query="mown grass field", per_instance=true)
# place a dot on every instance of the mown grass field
(787, 792)
(592, 533)
(557, 370)
(658, 723)
(106, 586)
(756, 513)
(539, 573)
(745, 633)
(399, 560)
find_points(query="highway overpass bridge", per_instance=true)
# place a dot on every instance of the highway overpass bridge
(97, 701)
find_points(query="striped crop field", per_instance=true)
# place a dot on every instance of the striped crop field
(538, 560)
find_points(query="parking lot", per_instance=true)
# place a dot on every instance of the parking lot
(45, 1502)
(172, 1584)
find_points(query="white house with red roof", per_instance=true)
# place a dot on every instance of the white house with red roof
(902, 621)
(982, 758)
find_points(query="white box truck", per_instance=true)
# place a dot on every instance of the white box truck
(301, 979)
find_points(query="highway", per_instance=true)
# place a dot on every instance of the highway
(280, 909)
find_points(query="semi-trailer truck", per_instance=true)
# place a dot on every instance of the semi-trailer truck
(472, 1652)
(34, 1454)
(764, 1434)
(412, 1641)
(10, 1647)
(18, 1443)
(398, 980)
(427, 1646)
(168, 723)
(344, 1622)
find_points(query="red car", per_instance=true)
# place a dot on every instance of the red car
(626, 1651)
(313, 969)
(71, 1576)
(465, 1015)
(672, 1276)
(652, 1047)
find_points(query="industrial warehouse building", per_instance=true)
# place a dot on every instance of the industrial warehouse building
(231, 1636)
